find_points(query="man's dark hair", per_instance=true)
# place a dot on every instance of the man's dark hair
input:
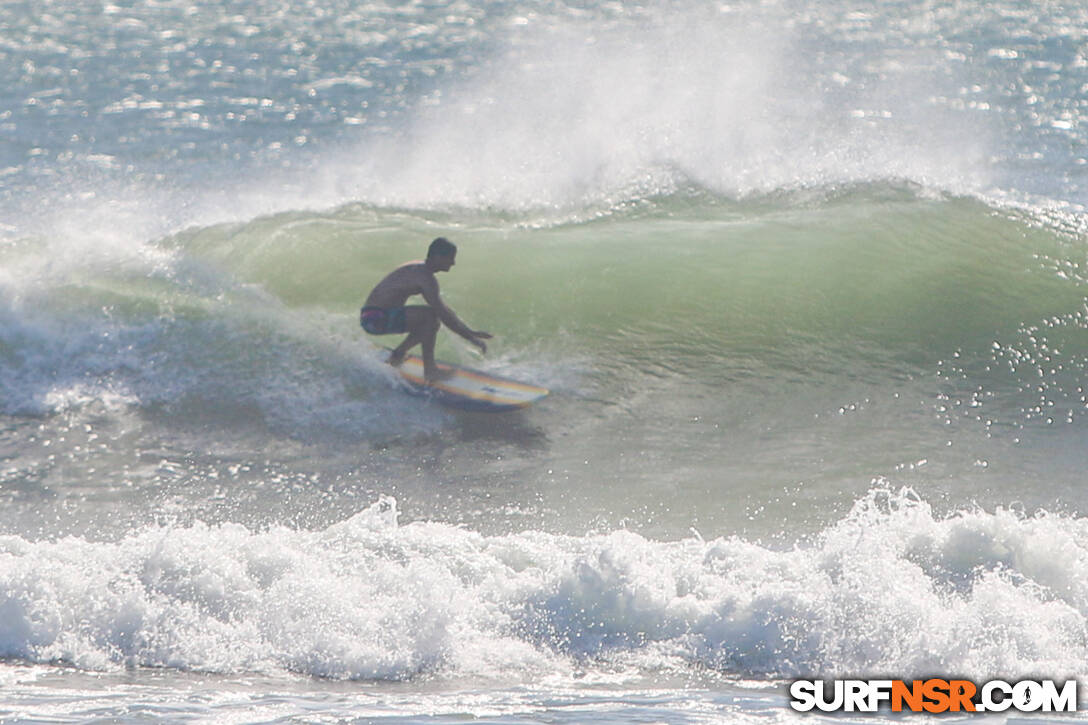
(441, 247)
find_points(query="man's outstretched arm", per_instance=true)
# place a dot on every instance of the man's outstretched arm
(450, 319)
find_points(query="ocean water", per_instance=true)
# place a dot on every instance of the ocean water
(808, 281)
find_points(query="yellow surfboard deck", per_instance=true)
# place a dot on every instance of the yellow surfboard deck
(468, 389)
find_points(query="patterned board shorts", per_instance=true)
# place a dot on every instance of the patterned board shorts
(381, 321)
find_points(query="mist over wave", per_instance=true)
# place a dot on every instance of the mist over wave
(565, 114)
(553, 108)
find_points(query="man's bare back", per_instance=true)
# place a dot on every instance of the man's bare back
(403, 282)
(385, 311)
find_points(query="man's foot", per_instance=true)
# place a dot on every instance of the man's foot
(395, 358)
(439, 374)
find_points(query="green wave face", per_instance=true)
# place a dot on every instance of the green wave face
(875, 274)
(703, 352)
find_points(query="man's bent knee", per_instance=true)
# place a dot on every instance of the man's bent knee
(423, 320)
(429, 320)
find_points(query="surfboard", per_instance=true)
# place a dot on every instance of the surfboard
(468, 389)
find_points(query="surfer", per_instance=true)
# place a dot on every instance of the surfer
(385, 312)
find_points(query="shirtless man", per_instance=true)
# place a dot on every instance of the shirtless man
(386, 314)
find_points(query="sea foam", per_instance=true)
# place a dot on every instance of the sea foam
(891, 589)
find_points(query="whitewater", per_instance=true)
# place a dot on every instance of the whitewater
(807, 283)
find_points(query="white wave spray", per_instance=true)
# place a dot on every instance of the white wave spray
(892, 588)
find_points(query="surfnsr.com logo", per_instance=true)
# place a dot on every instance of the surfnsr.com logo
(933, 696)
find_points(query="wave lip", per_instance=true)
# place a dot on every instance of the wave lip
(890, 589)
